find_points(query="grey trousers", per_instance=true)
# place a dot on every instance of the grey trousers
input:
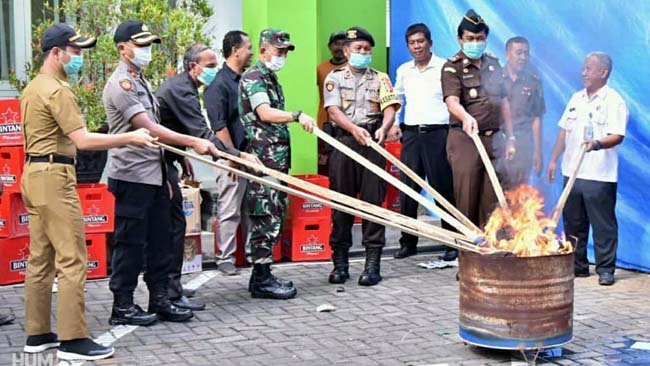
(230, 215)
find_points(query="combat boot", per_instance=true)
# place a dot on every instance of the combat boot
(265, 286)
(127, 313)
(370, 275)
(282, 282)
(160, 304)
(340, 273)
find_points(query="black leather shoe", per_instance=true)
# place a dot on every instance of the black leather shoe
(170, 313)
(6, 318)
(131, 314)
(449, 255)
(370, 275)
(405, 251)
(184, 303)
(265, 286)
(606, 279)
(581, 273)
(340, 273)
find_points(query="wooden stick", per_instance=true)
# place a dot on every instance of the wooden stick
(490, 170)
(382, 173)
(567, 189)
(458, 244)
(422, 183)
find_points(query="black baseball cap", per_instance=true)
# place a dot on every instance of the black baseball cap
(62, 35)
(136, 32)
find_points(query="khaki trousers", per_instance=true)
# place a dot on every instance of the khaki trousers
(57, 246)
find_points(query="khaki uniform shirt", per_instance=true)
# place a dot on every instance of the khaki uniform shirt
(126, 94)
(50, 111)
(481, 90)
(362, 101)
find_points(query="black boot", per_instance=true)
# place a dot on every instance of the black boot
(282, 282)
(370, 275)
(159, 303)
(265, 286)
(126, 312)
(340, 273)
(405, 251)
(449, 255)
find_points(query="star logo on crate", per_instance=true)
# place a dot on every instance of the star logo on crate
(24, 253)
(93, 210)
(6, 169)
(9, 116)
(312, 239)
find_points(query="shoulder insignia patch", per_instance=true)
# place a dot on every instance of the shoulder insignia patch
(126, 84)
(329, 86)
(449, 69)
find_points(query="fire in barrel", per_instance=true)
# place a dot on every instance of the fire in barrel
(522, 300)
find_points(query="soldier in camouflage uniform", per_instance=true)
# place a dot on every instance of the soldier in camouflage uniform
(261, 106)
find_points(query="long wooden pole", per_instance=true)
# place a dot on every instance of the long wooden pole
(382, 173)
(458, 244)
(422, 183)
(567, 188)
(490, 170)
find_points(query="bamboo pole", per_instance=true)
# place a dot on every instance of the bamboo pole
(490, 170)
(452, 242)
(382, 173)
(422, 183)
(567, 189)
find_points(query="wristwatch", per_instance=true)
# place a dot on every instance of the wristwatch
(598, 145)
(296, 115)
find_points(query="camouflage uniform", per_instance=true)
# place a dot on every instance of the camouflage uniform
(265, 206)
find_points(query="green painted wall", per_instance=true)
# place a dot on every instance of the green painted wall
(310, 23)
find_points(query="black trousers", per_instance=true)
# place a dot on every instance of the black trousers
(350, 178)
(178, 225)
(592, 203)
(141, 236)
(426, 154)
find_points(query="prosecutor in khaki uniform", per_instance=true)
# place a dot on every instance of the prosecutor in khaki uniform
(54, 128)
(362, 103)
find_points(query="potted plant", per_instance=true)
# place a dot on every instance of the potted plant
(179, 23)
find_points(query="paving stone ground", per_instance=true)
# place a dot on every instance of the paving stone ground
(409, 319)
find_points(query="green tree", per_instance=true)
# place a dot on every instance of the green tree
(179, 24)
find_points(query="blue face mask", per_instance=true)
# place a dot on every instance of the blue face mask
(74, 65)
(141, 56)
(207, 75)
(474, 50)
(359, 61)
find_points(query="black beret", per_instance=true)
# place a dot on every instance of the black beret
(473, 22)
(358, 34)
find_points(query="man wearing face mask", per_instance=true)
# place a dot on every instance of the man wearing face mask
(54, 128)
(476, 98)
(221, 102)
(138, 180)
(362, 104)
(261, 107)
(180, 111)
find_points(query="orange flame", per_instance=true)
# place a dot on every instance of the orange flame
(522, 228)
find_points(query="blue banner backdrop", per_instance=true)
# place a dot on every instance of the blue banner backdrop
(561, 33)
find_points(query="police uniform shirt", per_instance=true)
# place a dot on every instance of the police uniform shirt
(526, 99)
(422, 91)
(363, 99)
(607, 114)
(126, 94)
(50, 112)
(481, 90)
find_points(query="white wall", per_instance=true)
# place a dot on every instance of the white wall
(227, 16)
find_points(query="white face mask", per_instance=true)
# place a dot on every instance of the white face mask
(276, 63)
(141, 56)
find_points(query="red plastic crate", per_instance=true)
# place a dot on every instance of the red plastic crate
(301, 208)
(97, 262)
(11, 128)
(307, 239)
(240, 254)
(395, 149)
(392, 199)
(14, 218)
(13, 260)
(12, 163)
(98, 206)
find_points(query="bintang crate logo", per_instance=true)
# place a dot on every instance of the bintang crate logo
(312, 246)
(94, 217)
(9, 122)
(311, 206)
(23, 219)
(21, 263)
(6, 176)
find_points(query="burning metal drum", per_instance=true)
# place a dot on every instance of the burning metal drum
(516, 303)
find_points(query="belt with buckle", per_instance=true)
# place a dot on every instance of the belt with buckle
(486, 132)
(424, 128)
(370, 127)
(52, 158)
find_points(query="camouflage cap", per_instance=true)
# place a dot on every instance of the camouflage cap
(277, 38)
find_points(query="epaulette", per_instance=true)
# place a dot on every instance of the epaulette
(454, 58)
(491, 55)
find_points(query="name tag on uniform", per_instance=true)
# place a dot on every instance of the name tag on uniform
(141, 93)
(468, 76)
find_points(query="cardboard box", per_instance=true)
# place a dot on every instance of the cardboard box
(11, 128)
(192, 208)
(192, 257)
